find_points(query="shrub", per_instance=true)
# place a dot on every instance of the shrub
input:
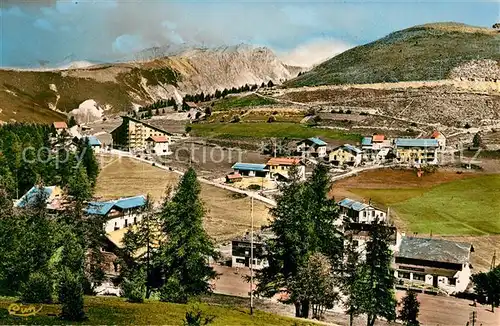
(37, 289)
(467, 125)
(413, 124)
(71, 295)
(172, 291)
(196, 317)
(235, 119)
(348, 111)
(253, 187)
(134, 287)
(188, 129)
(271, 119)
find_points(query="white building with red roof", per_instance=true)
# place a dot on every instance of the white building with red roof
(440, 138)
(158, 145)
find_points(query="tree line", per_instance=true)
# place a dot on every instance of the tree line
(51, 256)
(28, 157)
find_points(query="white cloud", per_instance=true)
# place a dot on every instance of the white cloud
(314, 52)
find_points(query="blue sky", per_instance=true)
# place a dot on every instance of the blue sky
(53, 32)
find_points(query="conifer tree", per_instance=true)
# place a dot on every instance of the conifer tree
(376, 276)
(184, 257)
(410, 308)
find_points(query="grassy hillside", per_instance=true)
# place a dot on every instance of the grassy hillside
(27, 95)
(426, 52)
(115, 311)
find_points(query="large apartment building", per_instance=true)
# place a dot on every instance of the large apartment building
(132, 134)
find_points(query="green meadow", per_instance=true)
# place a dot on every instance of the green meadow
(462, 207)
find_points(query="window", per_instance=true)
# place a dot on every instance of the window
(240, 260)
(135, 219)
(355, 243)
(126, 222)
(453, 281)
(418, 277)
(405, 275)
(116, 226)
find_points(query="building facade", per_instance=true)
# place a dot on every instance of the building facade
(132, 134)
(441, 139)
(346, 155)
(241, 254)
(251, 170)
(438, 264)
(417, 151)
(158, 145)
(312, 146)
(280, 167)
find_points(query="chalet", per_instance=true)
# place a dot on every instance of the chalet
(94, 143)
(279, 167)
(251, 170)
(60, 126)
(53, 196)
(240, 250)
(356, 221)
(358, 212)
(119, 213)
(346, 155)
(441, 264)
(158, 145)
(416, 151)
(132, 134)
(312, 147)
(441, 139)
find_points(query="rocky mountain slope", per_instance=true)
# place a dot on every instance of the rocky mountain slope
(426, 52)
(46, 95)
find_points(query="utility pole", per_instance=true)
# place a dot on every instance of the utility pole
(251, 258)
(473, 318)
(493, 260)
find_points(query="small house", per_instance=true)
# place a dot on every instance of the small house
(346, 155)
(158, 145)
(241, 250)
(441, 139)
(120, 213)
(251, 170)
(427, 262)
(94, 143)
(359, 212)
(233, 177)
(53, 196)
(416, 151)
(60, 127)
(279, 167)
(312, 146)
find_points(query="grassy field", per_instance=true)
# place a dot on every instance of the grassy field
(227, 215)
(116, 311)
(462, 207)
(267, 130)
(239, 102)
(433, 51)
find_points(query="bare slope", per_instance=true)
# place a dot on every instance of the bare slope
(426, 52)
(31, 95)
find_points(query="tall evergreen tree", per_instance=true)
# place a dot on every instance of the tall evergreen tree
(184, 256)
(376, 276)
(350, 285)
(410, 308)
(487, 285)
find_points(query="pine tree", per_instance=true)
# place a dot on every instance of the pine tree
(79, 186)
(184, 257)
(376, 276)
(89, 161)
(146, 235)
(350, 285)
(487, 285)
(72, 278)
(409, 311)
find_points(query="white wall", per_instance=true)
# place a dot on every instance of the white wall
(121, 221)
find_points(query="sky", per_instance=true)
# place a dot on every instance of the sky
(53, 32)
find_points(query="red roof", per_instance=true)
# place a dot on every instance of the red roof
(159, 139)
(234, 176)
(378, 138)
(60, 125)
(283, 161)
(435, 134)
